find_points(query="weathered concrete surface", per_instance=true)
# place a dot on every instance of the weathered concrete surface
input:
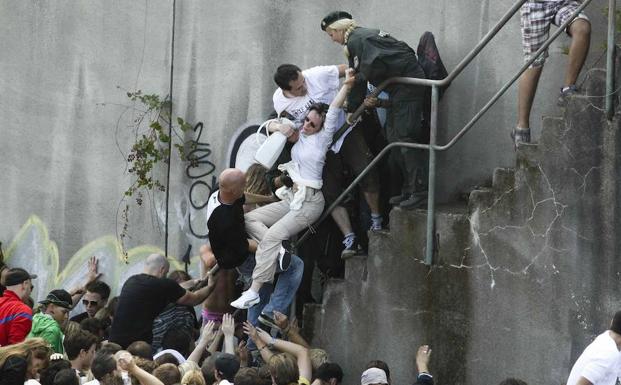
(64, 131)
(522, 281)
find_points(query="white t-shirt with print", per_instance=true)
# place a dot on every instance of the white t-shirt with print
(322, 83)
(600, 363)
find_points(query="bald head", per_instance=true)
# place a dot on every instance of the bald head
(156, 265)
(232, 183)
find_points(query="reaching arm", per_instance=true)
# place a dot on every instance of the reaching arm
(193, 298)
(207, 335)
(290, 330)
(228, 328)
(342, 68)
(253, 333)
(340, 97)
(298, 351)
(126, 362)
(583, 381)
(213, 348)
(422, 364)
(93, 275)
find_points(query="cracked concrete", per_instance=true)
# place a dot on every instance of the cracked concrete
(524, 276)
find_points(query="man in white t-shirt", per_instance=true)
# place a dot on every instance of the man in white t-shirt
(600, 363)
(297, 91)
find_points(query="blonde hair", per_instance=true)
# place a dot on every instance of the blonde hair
(37, 347)
(71, 328)
(284, 369)
(193, 377)
(318, 357)
(187, 367)
(256, 182)
(346, 25)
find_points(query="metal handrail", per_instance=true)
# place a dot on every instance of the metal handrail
(435, 86)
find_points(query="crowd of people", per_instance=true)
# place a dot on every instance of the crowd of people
(150, 334)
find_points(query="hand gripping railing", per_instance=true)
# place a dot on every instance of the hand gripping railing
(435, 87)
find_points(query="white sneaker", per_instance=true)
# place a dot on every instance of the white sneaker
(248, 299)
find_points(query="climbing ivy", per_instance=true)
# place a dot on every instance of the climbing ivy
(151, 148)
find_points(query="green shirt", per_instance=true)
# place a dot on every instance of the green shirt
(46, 327)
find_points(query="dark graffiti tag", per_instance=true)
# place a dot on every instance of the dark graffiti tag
(200, 167)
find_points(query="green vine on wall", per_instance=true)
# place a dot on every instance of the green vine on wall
(151, 148)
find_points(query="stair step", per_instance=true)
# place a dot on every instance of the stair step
(409, 232)
(503, 179)
(356, 268)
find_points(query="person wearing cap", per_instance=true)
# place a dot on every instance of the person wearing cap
(376, 56)
(15, 315)
(226, 368)
(373, 376)
(48, 324)
(600, 362)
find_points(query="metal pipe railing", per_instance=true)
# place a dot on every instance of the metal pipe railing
(436, 84)
(610, 59)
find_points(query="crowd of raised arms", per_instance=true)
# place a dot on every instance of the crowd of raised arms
(246, 332)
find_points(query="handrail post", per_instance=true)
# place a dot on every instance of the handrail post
(610, 59)
(431, 189)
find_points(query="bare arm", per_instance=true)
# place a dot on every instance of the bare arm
(422, 359)
(252, 245)
(340, 97)
(253, 333)
(342, 68)
(298, 351)
(93, 275)
(213, 348)
(193, 298)
(583, 381)
(228, 328)
(290, 330)
(207, 335)
(126, 362)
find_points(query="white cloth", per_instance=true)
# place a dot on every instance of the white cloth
(600, 363)
(175, 353)
(212, 203)
(323, 84)
(285, 193)
(92, 382)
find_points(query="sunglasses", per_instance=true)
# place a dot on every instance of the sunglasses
(86, 302)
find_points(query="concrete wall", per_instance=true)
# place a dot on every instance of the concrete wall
(66, 65)
(524, 276)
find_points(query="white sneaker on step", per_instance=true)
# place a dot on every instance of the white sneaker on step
(248, 299)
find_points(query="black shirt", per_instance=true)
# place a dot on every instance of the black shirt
(142, 298)
(227, 234)
(79, 317)
(13, 372)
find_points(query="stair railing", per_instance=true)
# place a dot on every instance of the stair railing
(435, 85)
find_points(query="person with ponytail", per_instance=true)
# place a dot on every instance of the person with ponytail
(23, 361)
(376, 56)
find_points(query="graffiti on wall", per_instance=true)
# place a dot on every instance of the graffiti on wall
(33, 250)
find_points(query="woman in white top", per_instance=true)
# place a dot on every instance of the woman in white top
(302, 201)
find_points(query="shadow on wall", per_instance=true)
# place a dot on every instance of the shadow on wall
(32, 250)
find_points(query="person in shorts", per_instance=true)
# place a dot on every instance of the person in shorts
(537, 15)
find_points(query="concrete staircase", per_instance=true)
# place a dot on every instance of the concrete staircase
(524, 275)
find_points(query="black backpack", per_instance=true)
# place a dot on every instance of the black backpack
(429, 59)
